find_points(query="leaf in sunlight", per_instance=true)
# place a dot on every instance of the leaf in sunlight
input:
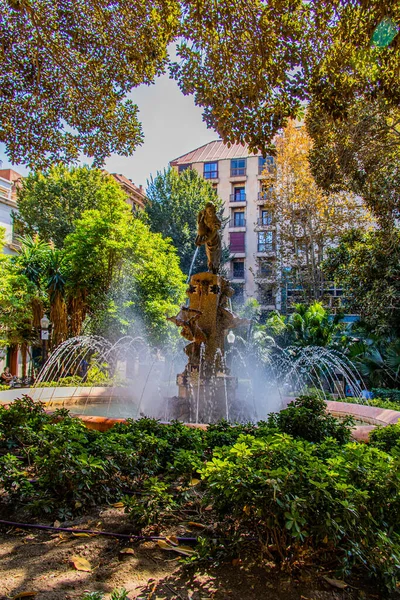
(81, 564)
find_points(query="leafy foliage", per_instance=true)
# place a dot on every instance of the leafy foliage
(323, 500)
(307, 418)
(334, 502)
(175, 201)
(360, 154)
(308, 220)
(64, 93)
(308, 325)
(107, 264)
(16, 295)
(251, 67)
(51, 201)
(366, 265)
(392, 395)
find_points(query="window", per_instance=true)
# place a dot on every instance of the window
(238, 167)
(210, 170)
(265, 268)
(265, 241)
(238, 219)
(266, 217)
(236, 242)
(266, 296)
(238, 269)
(182, 168)
(266, 164)
(239, 194)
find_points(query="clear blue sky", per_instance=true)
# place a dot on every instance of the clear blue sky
(172, 126)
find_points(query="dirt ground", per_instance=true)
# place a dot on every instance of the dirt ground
(41, 562)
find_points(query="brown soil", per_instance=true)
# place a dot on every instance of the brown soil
(36, 561)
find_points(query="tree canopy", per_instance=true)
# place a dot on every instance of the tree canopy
(250, 65)
(307, 219)
(367, 266)
(51, 201)
(360, 154)
(108, 272)
(174, 202)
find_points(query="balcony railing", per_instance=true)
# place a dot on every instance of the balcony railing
(237, 223)
(265, 274)
(238, 274)
(264, 197)
(237, 197)
(238, 172)
(267, 248)
(266, 169)
(264, 221)
(266, 300)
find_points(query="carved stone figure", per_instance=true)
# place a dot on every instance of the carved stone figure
(208, 227)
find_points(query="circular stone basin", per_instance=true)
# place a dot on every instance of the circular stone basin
(102, 407)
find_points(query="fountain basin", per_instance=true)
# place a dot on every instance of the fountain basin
(106, 397)
(66, 396)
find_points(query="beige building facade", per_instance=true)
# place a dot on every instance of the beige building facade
(243, 181)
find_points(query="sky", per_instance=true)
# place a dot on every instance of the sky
(172, 126)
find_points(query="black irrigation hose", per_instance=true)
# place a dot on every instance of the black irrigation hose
(123, 536)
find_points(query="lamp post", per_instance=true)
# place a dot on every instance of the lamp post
(44, 336)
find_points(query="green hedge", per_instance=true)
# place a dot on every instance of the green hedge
(387, 394)
(308, 496)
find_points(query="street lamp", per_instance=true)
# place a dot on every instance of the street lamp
(44, 336)
(231, 337)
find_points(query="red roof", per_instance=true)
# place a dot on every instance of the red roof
(214, 151)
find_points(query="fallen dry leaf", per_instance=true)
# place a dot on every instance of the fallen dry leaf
(185, 550)
(337, 583)
(194, 482)
(118, 505)
(199, 525)
(81, 564)
(83, 534)
(127, 551)
(25, 595)
(56, 524)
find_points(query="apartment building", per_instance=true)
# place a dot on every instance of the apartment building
(136, 198)
(8, 205)
(243, 181)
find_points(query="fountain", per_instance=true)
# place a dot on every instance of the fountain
(208, 386)
(206, 390)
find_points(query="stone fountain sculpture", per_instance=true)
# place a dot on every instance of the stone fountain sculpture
(206, 390)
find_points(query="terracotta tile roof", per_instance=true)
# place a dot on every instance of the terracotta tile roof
(213, 151)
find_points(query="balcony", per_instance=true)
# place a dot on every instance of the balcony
(238, 172)
(268, 274)
(233, 223)
(238, 273)
(264, 197)
(265, 221)
(237, 197)
(265, 248)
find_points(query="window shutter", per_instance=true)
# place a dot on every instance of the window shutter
(236, 242)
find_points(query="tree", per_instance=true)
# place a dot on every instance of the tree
(308, 325)
(359, 154)
(250, 65)
(307, 220)
(50, 202)
(174, 202)
(367, 266)
(64, 78)
(149, 286)
(16, 295)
